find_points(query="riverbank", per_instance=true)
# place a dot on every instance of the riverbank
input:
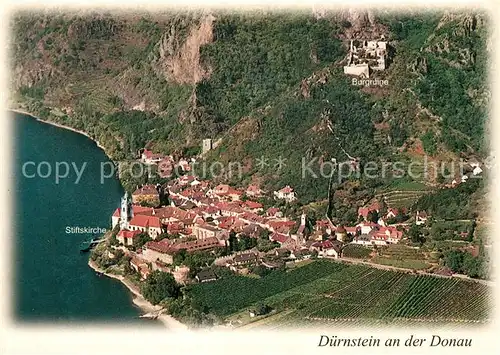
(170, 322)
(21, 111)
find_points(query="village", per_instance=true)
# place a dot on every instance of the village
(202, 217)
(189, 214)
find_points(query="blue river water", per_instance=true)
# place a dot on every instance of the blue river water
(52, 281)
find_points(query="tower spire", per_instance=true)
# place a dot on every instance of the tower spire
(126, 211)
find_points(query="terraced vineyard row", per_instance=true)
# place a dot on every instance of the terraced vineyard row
(404, 195)
(401, 252)
(356, 295)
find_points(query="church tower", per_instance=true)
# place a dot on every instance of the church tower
(303, 220)
(300, 236)
(126, 212)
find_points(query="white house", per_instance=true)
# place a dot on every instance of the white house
(420, 218)
(363, 239)
(367, 227)
(286, 194)
(477, 170)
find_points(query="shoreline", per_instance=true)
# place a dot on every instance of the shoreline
(23, 112)
(168, 321)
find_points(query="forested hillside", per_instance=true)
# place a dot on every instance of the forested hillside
(266, 84)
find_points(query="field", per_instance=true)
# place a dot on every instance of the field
(356, 251)
(329, 293)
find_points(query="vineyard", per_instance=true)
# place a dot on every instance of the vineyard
(401, 256)
(356, 251)
(326, 292)
(233, 293)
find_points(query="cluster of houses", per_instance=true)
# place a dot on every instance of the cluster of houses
(201, 217)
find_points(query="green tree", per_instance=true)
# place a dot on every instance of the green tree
(179, 257)
(142, 238)
(233, 242)
(473, 266)
(159, 286)
(372, 216)
(415, 234)
(247, 242)
(454, 259)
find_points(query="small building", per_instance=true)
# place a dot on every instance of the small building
(328, 248)
(206, 275)
(253, 191)
(286, 194)
(127, 237)
(340, 233)
(253, 206)
(245, 259)
(362, 239)
(252, 230)
(364, 211)
(150, 158)
(147, 194)
(144, 271)
(367, 227)
(206, 145)
(140, 266)
(420, 218)
(477, 170)
(300, 254)
(274, 212)
(204, 231)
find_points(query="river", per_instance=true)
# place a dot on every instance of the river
(52, 281)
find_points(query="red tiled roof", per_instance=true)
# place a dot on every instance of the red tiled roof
(145, 221)
(128, 234)
(352, 230)
(322, 223)
(195, 245)
(136, 209)
(221, 189)
(146, 190)
(278, 237)
(369, 224)
(286, 190)
(272, 211)
(363, 211)
(163, 246)
(253, 188)
(325, 244)
(147, 153)
(252, 204)
(341, 229)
